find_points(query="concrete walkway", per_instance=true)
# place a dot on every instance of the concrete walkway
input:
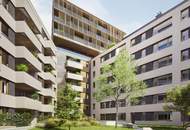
(17, 128)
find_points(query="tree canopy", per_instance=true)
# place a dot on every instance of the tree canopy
(119, 80)
(178, 99)
(68, 107)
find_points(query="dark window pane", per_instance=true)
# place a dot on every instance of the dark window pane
(149, 50)
(149, 33)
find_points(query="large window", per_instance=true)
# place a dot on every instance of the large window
(185, 34)
(158, 81)
(108, 55)
(111, 104)
(185, 13)
(4, 86)
(165, 43)
(149, 33)
(151, 116)
(151, 99)
(9, 7)
(185, 75)
(165, 61)
(112, 116)
(8, 32)
(185, 54)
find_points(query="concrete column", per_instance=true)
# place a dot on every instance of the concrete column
(176, 118)
(128, 117)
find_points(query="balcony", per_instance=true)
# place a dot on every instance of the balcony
(24, 78)
(7, 101)
(48, 45)
(24, 103)
(23, 28)
(22, 52)
(74, 76)
(77, 88)
(48, 92)
(48, 77)
(102, 29)
(74, 64)
(47, 60)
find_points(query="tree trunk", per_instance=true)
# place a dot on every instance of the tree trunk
(117, 107)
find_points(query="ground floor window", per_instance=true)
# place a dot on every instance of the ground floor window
(151, 116)
(112, 116)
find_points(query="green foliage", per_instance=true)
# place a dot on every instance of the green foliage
(18, 119)
(67, 106)
(43, 118)
(91, 128)
(111, 45)
(179, 96)
(51, 123)
(92, 121)
(123, 80)
(35, 96)
(48, 68)
(68, 124)
(22, 67)
(2, 119)
(35, 54)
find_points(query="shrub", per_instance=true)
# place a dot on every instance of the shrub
(42, 118)
(23, 119)
(2, 119)
(51, 123)
(68, 124)
(84, 124)
(18, 119)
(22, 67)
(94, 123)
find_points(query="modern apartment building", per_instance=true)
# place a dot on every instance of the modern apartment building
(161, 51)
(74, 68)
(27, 61)
(79, 36)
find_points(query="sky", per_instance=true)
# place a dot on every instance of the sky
(127, 15)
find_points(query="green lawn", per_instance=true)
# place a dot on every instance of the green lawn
(87, 128)
(111, 128)
(167, 128)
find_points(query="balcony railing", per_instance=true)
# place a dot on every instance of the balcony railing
(74, 76)
(74, 64)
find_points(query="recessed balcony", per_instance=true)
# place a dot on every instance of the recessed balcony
(49, 47)
(24, 33)
(47, 60)
(24, 78)
(74, 76)
(74, 64)
(48, 92)
(48, 77)
(77, 88)
(23, 52)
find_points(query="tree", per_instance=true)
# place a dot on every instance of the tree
(178, 99)
(123, 81)
(67, 104)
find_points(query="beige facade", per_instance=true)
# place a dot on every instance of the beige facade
(25, 43)
(161, 51)
(79, 36)
(74, 70)
(80, 30)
